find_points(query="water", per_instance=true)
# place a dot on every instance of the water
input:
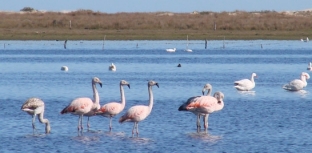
(269, 119)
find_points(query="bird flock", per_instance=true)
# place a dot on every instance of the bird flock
(201, 106)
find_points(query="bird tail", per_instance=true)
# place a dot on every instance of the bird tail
(65, 110)
(123, 118)
(286, 87)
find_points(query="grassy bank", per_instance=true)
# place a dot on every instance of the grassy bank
(89, 25)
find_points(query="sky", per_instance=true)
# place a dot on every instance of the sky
(176, 6)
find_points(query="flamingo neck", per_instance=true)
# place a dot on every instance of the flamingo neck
(151, 97)
(95, 94)
(122, 95)
(46, 122)
(209, 92)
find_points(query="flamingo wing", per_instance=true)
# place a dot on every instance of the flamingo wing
(135, 114)
(110, 109)
(78, 106)
(189, 101)
(204, 104)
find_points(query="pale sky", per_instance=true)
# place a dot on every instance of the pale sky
(178, 6)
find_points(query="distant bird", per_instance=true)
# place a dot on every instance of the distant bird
(171, 50)
(111, 109)
(112, 67)
(307, 39)
(246, 84)
(85, 106)
(203, 106)
(140, 112)
(309, 66)
(65, 44)
(34, 107)
(179, 65)
(298, 84)
(64, 68)
(206, 42)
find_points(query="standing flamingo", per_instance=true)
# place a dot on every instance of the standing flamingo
(34, 106)
(140, 112)
(113, 108)
(85, 106)
(205, 105)
(246, 84)
(190, 100)
(298, 84)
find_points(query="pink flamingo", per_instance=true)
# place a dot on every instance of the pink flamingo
(140, 112)
(204, 105)
(85, 106)
(113, 108)
(190, 100)
(35, 106)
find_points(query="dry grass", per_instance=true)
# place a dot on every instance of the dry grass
(89, 25)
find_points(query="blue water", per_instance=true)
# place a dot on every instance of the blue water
(269, 119)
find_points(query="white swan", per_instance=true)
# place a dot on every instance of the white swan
(171, 50)
(297, 84)
(112, 67)
(309, 66)
(246, 84)
(64, 68)
(305, 40)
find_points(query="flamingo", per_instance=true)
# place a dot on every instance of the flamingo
(203, 106)
(309, 66)
(139, 112)
(112, 67)
(35, 106)
(298, 84)
(84, 105)
(113, 108)
(246, 84)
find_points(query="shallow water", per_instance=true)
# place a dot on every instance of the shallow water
(268, 119)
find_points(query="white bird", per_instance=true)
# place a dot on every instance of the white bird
(307, 39)
(171, 50)
(85, 106)
(111, 109)
(246, 84)
(112, 67)
(34, 107)
(298, 84)
(309, 66)
(64, 68)
(140, 112)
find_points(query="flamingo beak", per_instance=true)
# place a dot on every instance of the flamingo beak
(157, 85)
(203, 92)
(100, 84)
(128, 86)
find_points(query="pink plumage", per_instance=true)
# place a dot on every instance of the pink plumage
(111, 109)
(140, 112)
(84, 106)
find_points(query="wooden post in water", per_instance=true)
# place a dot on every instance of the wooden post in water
(69, 24)
(223, 42)
(103, 42)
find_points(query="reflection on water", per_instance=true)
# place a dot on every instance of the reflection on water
(205, 137)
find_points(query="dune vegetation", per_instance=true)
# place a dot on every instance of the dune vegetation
(90, 25)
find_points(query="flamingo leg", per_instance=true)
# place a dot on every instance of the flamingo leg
(137, 129)
(88, 124)
(110, 124)
(33, 123)
(79, 123)
(198, 123)
(206, 122)
(133, 130)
